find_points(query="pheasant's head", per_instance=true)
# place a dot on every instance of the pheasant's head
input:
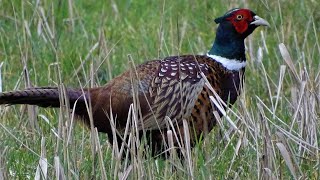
(242, 21)
(233, 28)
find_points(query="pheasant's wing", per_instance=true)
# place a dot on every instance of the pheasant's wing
(174, 90)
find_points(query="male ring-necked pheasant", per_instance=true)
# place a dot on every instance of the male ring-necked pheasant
(170, 88)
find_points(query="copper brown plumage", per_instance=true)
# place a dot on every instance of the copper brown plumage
(171, 88)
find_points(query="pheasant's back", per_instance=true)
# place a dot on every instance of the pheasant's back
(172, 87)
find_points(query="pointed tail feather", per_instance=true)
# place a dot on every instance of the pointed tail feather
(42, 96)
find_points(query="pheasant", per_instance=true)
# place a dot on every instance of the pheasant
(174, 88)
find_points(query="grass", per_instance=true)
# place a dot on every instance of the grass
(52, 42)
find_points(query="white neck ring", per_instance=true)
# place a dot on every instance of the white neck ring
(230, 64)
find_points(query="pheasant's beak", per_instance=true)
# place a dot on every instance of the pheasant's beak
(258, 21)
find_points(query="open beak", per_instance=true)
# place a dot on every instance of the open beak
(258, 21)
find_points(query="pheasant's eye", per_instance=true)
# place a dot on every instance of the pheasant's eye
(239, 17)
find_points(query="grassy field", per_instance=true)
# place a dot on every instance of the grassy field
(86, 43)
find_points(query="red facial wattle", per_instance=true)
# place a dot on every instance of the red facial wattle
(241, 25)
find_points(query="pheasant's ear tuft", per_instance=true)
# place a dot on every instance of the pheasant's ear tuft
(218, 20)
(226, 15)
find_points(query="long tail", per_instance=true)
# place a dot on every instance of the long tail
(42, 96)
